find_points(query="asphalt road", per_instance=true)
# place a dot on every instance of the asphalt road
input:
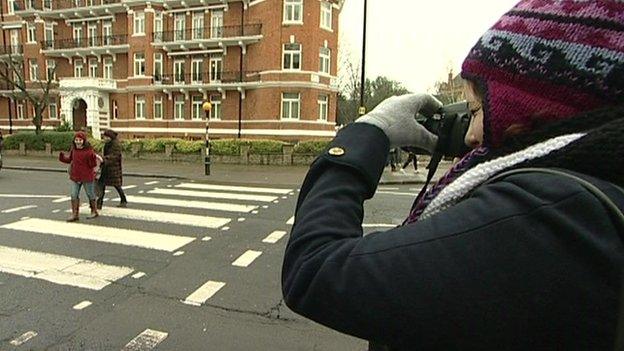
(187, 266)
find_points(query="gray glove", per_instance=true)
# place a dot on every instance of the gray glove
(395, 116)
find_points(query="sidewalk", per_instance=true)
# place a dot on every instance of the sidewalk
(220, 173)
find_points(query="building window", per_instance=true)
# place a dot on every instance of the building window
(198, 25)
(47, 4)
(293, 10)
(158, 107)
(292, 57)
(115, 110)
(108, 68)
(10, 7)
(93, 66)
(179, 26)
(216, 69)
(197, 68)
(52, 111)
(158, 67)
(107, 33)
(51, 69)
(34, 69)
(290, 105)
(326, 15)
(139, 107)
(216, 111)
(77, 31)
(32, 31)
(49, 35)
(139, 23)
(178, 112)
(20, 110)
(93, 35)
(323, 103)
(178, 71)
(216, 24)
(158, 26)
(139, 64)
(324, 60)
(197, 106)
(78, 68)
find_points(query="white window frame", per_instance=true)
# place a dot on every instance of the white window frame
(326, 15)
(216, 69)
(93, 66)
(216, 112)
(77, 33)
(10, 7)
(139, 107)
(139, 64)
(197, 74)
(179, 27)
(325, 60)
(196, 107)
(33, 70)
(50, 68)
(293, 12)
(158, 26)
(107, 71)
(48, 34)
(158, 101)
(92, 34)
(198, 25)
(216, 24)
(107, 33)
(138, 23)
(32, 33)
(178, 110)
(159, 67)
(290, 101)
(52, 107)
(179, 71)
(78, 68)
(20, 110)
(288, 51)
(323, 104)
(47, 5)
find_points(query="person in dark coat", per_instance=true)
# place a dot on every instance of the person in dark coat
(111, 174)
(486, 259)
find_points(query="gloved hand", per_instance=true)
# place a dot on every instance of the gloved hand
(395, 116)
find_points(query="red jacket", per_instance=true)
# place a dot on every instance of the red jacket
(82, 163)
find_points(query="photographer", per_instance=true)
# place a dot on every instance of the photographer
(526, 261)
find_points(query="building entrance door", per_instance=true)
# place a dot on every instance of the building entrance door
(80, 115)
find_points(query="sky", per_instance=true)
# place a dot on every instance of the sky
(415, 42)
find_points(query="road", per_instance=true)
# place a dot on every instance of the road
(188, 266)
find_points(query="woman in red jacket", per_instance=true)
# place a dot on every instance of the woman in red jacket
(82, 162)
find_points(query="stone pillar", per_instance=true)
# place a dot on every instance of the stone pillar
(244, 154)
(135, 149)
(169, 151)
(287, 153)
(48, 149)
(22, 149)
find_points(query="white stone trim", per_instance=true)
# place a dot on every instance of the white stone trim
(234, 131)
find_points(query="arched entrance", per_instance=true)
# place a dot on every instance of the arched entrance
(79, 114)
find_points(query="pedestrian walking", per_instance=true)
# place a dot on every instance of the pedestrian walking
(519, 246)
(82, 161)
(412, 157)
(111, 174)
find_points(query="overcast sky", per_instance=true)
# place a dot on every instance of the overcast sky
(414, 41)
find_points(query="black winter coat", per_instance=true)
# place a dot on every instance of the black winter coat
(111, 170)
(531, 262)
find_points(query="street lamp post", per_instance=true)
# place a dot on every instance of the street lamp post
(362, 109)
(207, 106)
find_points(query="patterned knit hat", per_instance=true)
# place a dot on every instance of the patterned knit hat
(546, 60)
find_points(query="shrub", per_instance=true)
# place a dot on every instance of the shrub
(313, 147)
(265, 147)
(188, 146)
(225, 147)
(157, 145)
(63, 127)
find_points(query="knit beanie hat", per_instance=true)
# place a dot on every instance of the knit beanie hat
(81, 135)
(110, 133)
(548, 60)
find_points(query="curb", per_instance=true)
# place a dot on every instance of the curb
(60, 170)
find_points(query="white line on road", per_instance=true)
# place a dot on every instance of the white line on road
(247, 258)
(111, 235)
(127, 187)
(178, 253)
(59, 269)
(56, 211)
(82, 305)
(206, 238)
(29, 196)
(165, 217)
(190, 204)
(138, 275)
(242, 219)
(204, 292)
(379, 225)
(152, 183)
(145, 341)
(291, 220)
(63, 199)
(23, 338)
(386, 188)
(213, 195)
(225, 228)
(11, 210)
(233, 188)
(274, 237)
(396, 193)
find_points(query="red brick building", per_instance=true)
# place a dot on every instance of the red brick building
(144, 68)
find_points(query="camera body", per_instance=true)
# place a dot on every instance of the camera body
(450, 123)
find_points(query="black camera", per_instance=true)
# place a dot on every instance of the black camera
(450, 123)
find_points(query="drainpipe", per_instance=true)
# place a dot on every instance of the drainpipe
(240, 68)
(5, 46)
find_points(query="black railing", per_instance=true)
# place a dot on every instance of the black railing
(205, 78)
(22, 5)
(11, 50)
(207, 33)
(85, 42)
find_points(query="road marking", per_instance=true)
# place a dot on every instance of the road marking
(233, 188)
(145, 341)
(165, 217)
(274, 237)
(284, 197)
(225, 228)
(141, 191)
(152, 183)
(191, 204)
(59, 269)
(386, 188)
(204, 292)
(241, 219)
(127, 187)
(82, 305)
(254, 212)
(11, 210)
(23, 338)
(56, 211)
(265, 206)
(291, 220)
(111, 235)
(28, 196)
(178, 253)
(396, 193)
(138, 275)
(276, 202)
(213, 195)
(379, 225)
(247, 258)
(63, 199)
(206, 238)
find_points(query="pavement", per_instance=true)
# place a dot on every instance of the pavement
(220, 173)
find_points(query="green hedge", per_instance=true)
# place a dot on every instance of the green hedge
(314, 147)
(59, 140)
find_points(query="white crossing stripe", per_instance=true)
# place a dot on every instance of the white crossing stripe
(291, 220)
(152, 183)
(127, 187)
(213, 195)
(165, 217)
(190, 204)
(145, 341)
(136, 238)
(29, 196)
(396, 193)
(204, 292)
(274, 237)
(379, 225)
(59, 269)
(387, 188)
(63, 199)
(247, 258)
(234, 188)
(23, 338)
(11, 210)
(138, 275)
(82, 305)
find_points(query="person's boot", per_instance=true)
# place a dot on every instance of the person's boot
(94, 212)
(100, 202)
(75, 208)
